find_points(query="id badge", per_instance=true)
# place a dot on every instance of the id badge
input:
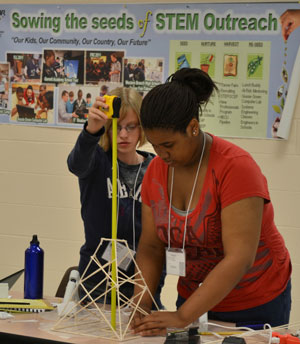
(123, 257)
(175, 259)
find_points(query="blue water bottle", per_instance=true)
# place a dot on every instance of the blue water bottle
(34, 270)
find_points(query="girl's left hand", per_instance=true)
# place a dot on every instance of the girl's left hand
(156, 323)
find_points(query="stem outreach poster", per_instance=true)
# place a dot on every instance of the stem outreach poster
(55, 59)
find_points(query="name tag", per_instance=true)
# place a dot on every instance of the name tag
(123, 257)
(175, 260)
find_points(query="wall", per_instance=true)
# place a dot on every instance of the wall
(39, 196)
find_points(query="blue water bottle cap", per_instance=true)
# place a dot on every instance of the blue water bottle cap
(34, 240)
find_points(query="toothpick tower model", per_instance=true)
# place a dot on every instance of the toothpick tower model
(87, 317)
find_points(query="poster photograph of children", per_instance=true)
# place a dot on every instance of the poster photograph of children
(24, 67)
(143, 73)
(32, 103)
(63, 66)
(73, 102)
(104, 66)
(4, 87)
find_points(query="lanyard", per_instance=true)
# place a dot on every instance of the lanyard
(190, 201)
(133, 207)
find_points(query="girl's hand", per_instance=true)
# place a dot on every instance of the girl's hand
(156, 323)
(96, 118)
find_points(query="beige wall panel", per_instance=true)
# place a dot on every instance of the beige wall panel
(298, 137)
(276, 172)
(23, 159)
(291, 237)
(296, 281)
(37, 134)
(48, 222)
(286, 205)
(38, 190)
(295, 314)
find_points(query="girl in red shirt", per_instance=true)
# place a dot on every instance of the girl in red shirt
(207, 212)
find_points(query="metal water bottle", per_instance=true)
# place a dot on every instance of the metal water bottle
(34, 270)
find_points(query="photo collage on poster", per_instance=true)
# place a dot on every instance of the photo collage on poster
(4, 88)
(56, 87)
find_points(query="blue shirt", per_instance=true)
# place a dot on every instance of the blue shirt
(69, 106)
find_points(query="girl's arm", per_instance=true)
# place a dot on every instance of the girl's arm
(241, 227)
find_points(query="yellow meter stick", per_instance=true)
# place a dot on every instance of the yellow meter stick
(113, 112)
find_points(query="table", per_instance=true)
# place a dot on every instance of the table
(37, 328)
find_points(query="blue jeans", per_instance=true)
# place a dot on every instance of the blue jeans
(275, 312)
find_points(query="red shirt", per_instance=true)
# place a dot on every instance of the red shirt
(231, 175)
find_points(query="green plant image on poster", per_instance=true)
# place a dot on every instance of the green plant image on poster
(255, 66)
(208, 64)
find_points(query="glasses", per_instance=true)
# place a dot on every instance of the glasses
(129, 128)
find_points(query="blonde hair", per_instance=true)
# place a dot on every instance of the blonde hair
(130, 98)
